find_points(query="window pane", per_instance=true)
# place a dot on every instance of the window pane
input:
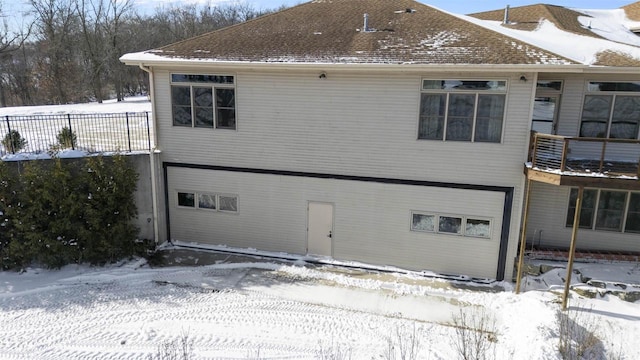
(614, 86)
(460, 117)
(204, 117)
(489, 118)
(186, 199)
(422, 222)
(549, 85)
(203, 97)
(181, 105)
(587, 209)
(452, 225)
(485, 85)
(228, 203)
(207, 201)
(181, 95)
(182, 115)
(626, 112)
(226, 119)
(480, 228)
(595, 116)
(633, 215)
(433, 84)
(217, 79)
(203, 101)
(432, 111)
(225, 98)
(610, 210)
(225, 109)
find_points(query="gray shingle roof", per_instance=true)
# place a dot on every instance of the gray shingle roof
(331, 31)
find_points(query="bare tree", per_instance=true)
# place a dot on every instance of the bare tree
(10, 41)
(56, 23)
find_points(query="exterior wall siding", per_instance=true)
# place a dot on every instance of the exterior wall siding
(351, 124)
(364, 125)
(372, 220)
(549, 204)
(547, 224)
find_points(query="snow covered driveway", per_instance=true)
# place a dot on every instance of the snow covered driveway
(256, 310)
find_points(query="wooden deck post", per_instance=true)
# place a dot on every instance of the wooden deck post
(602, 155)
(523, 237)
(572, 248)
(563, 160)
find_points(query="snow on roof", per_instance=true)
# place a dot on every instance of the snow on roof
(580, 48)
(613, 25)
(606, 38)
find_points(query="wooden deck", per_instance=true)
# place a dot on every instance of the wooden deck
(588, 162)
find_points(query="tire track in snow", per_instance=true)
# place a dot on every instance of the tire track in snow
(129, 319)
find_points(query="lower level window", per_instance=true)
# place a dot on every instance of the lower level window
(186, 199)
(228, 203)
(608, 210)
(208, 201)
(447, 224)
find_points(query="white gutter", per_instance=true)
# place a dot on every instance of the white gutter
(152, 159)
(177, 63)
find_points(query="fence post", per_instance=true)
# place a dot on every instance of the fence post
(146, 113)
(9, 136)
(73, 145)
(126, 115)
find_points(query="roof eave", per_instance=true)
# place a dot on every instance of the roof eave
(178, 63)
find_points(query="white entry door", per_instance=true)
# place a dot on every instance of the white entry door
(320, 229)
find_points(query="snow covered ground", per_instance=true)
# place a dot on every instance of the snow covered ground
(261, 309)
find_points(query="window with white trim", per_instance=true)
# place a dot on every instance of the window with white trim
(611, 110)
(186, 199)
(450, 224)
(203, 101)
(462, 110)
(608, 210)
(208, 201)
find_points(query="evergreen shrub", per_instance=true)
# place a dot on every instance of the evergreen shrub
(13, 141)
(67, 139)
(73, 211)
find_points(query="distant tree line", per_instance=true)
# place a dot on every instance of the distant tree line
(68, 52)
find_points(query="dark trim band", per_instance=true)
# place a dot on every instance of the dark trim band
(506, 215)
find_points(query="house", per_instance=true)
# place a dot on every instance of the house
(588, 124)
(386, 132)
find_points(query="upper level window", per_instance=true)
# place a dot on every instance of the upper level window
(612, 110)
(549, 85)
(203, 101)
(462, 110)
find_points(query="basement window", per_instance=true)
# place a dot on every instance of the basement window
(208, 201)
(187, 199)
(470, 226)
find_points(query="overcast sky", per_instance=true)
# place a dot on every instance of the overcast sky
(13, 10)
(455, 6)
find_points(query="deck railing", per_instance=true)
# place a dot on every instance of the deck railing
(612, 157)
(100, 132)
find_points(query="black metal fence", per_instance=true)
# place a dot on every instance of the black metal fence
(117, 132)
